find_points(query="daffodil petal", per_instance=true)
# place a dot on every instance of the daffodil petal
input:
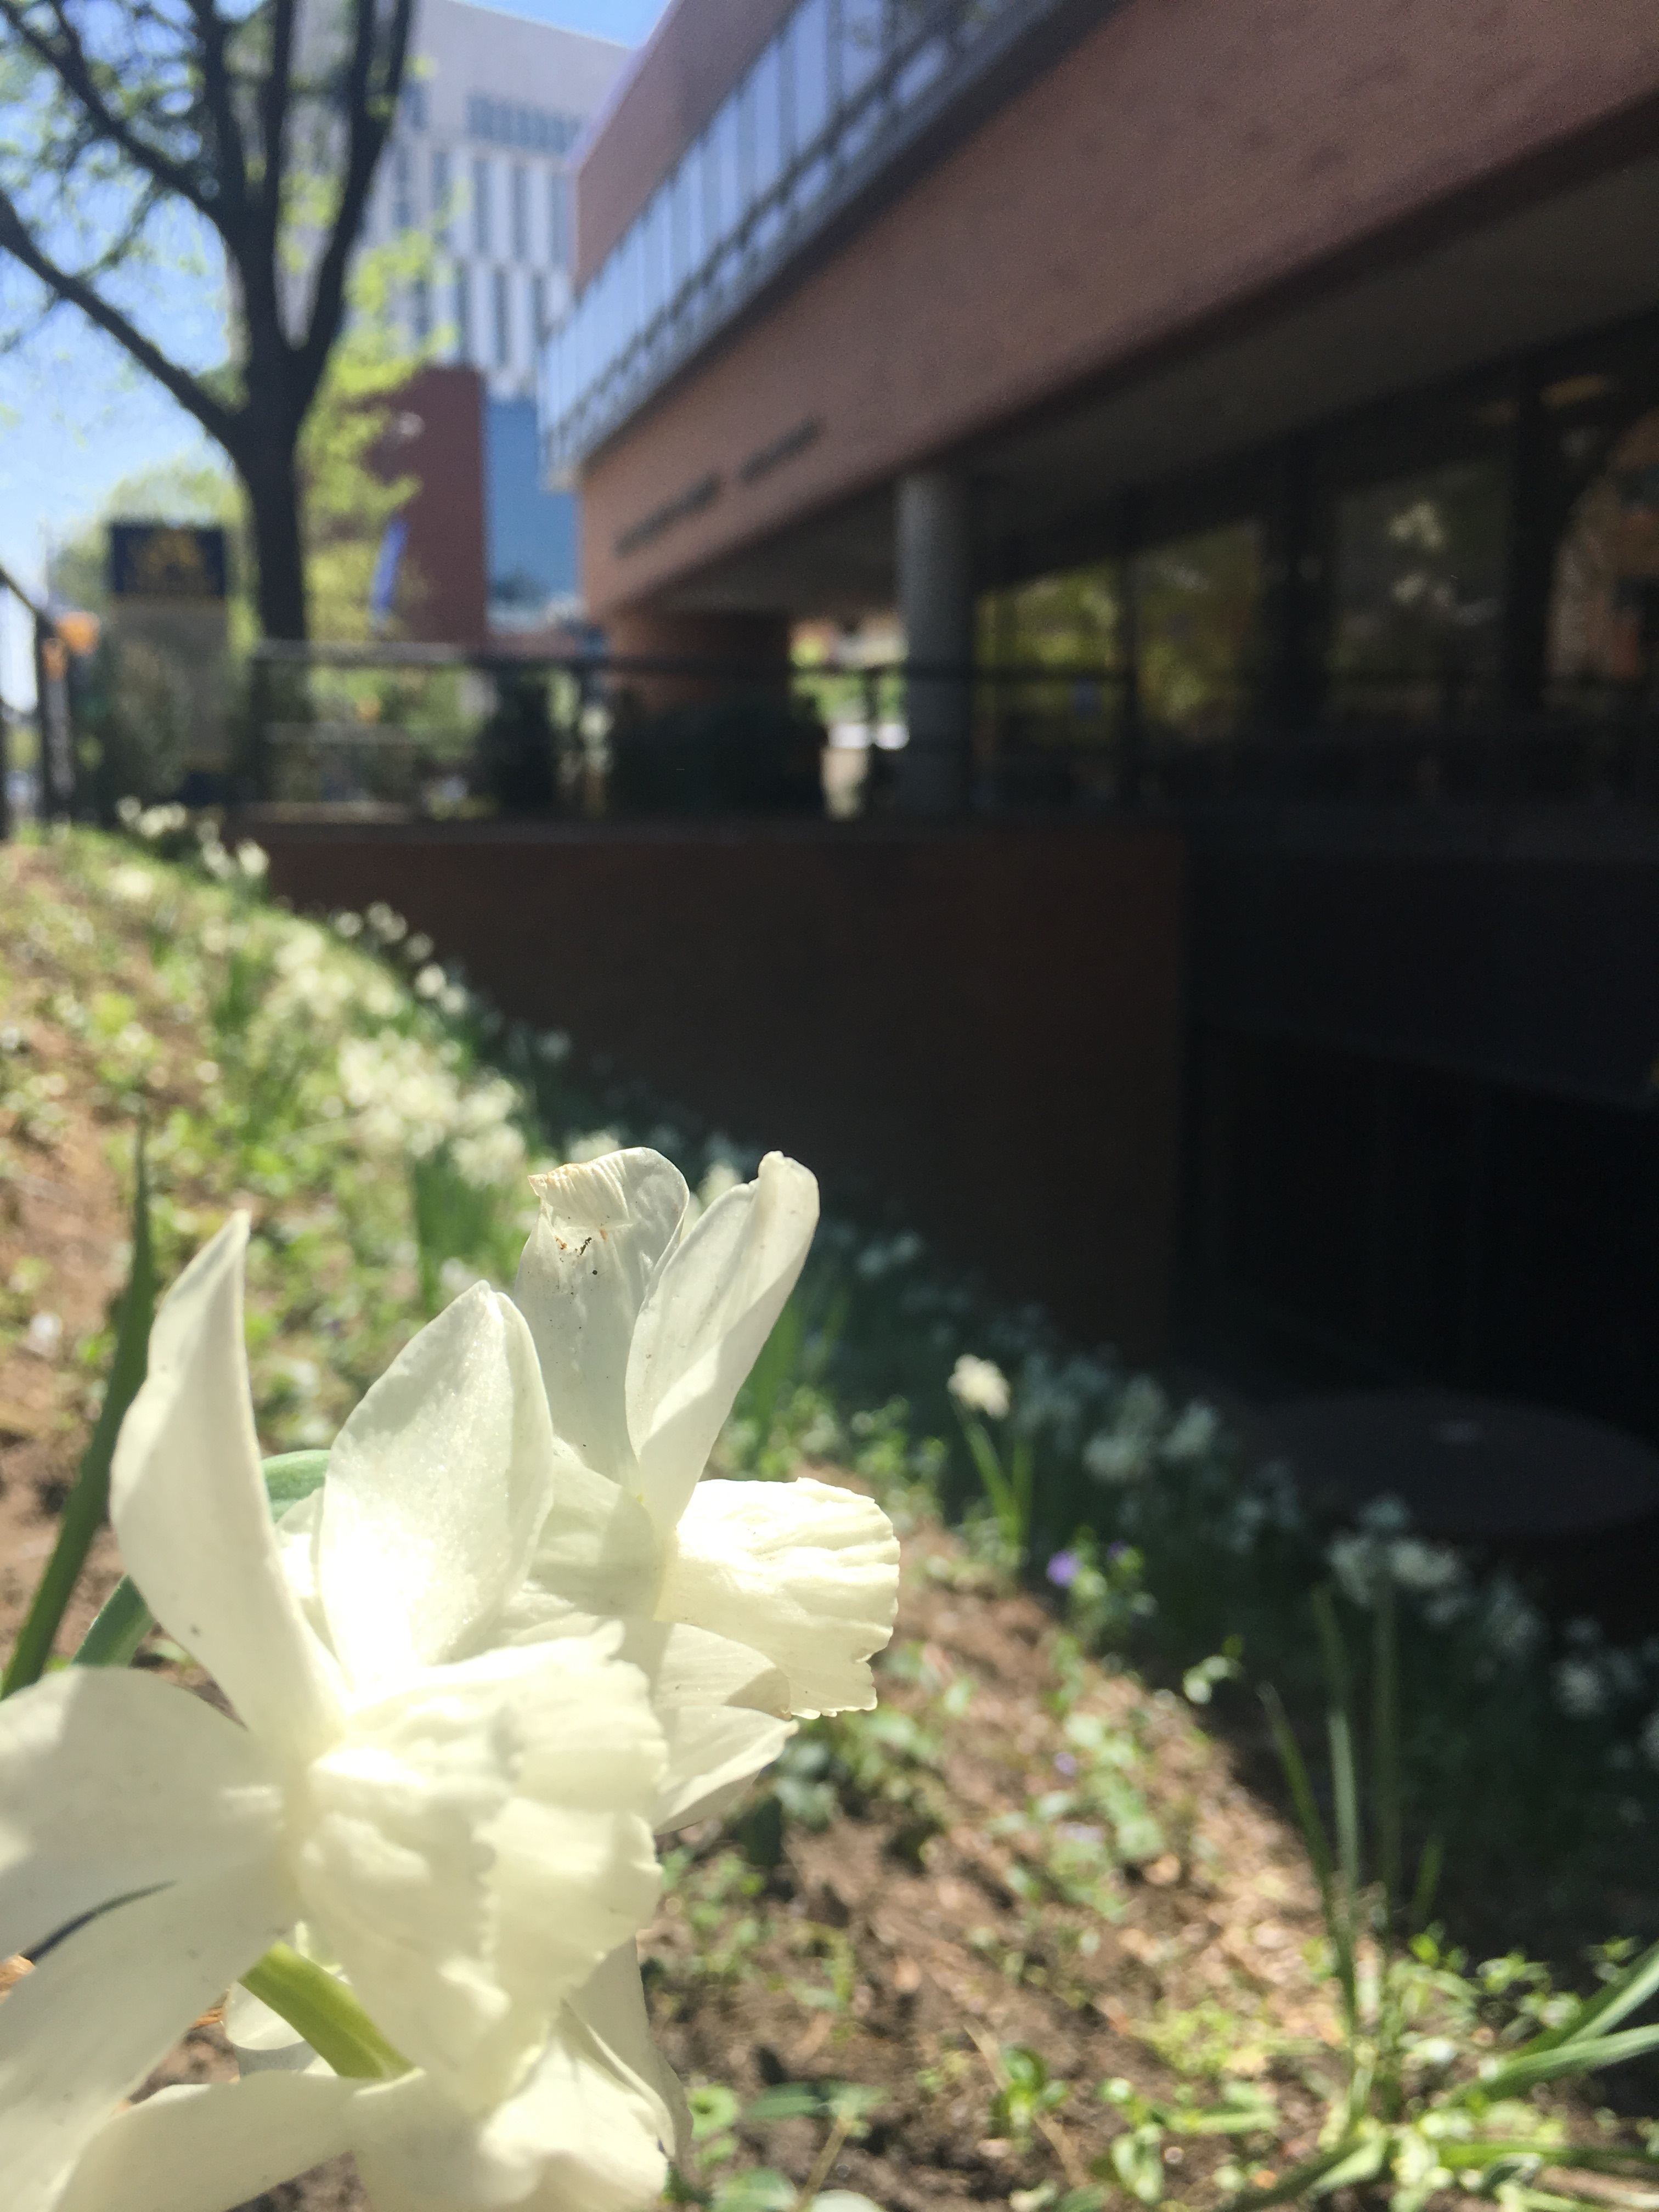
(480, 1839)
(610, 2006)
(803, 1571)
(604, 1228)
(722, 1709)
(581, 2134)
(188, 1501)
(437, 1487)
(576, 1869)
(705, 1318)
(205, 2148)
(111, 1782)
(105, 2004)
(599, 1549)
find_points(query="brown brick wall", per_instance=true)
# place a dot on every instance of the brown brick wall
(1186, 158)
(983, 1024)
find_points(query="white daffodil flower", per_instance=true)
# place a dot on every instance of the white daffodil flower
(579, 2132)
(466, 1830)
(645, 1328)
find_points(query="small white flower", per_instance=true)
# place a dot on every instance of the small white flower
(133, 885)
(418, 948)
(453, 1000)
(43, 1335)
(218, 862)
(979, 1386)
(1579, 1689)
(348, 924)
(720, 1177)
(430, 981)
(252, 859)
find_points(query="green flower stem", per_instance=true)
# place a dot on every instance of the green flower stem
(325, 2013)
(89, 1499)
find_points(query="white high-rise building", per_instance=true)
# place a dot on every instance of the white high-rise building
(492, 108)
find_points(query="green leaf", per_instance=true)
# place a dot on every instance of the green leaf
(789, 2101)
(1620, 1997)
(121, 1627)
(89, 1501)
(114, 1637)
(292, 1476)
(1532, 2067)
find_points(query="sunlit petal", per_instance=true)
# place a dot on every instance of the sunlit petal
(116, 1782)
(704, 1320)
(803, 1571)
(188, 1501)
(722, 1709)
(205, 2149)
(581, 2134)
(436, 1488)
(105, 2003)
(604, 1228)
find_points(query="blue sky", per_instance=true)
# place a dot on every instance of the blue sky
(75, 418)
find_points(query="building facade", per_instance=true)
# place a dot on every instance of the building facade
(492, 113)
(1253, 414)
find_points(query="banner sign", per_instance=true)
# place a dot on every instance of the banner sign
(165, 561)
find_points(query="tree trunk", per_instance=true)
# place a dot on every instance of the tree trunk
(272, 479)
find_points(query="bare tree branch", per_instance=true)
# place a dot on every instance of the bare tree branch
(370, 125)
(211, 29)
(15, 239)
(66, 59)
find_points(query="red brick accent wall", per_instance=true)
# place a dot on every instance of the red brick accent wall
(1185, 159)
(984, 1023)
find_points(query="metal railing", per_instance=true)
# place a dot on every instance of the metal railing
(411, 732)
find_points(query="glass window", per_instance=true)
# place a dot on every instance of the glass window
(558, 220)
(520, 213)
(503, 320)
(1418, 591)
(654, 249)
(402, 188)
(766, 92)
(720, 194)
(745, 146)
(810, 38)
(420, 310)
(440, 188)
(1198, 610)
(414, 106)
(464, 314)
(1604, 617)
(682, 210)
(862, 44)
(481, 225)
(538, 308)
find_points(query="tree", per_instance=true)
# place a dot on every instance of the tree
(128, 124)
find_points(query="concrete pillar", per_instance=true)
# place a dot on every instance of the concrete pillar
(936, 606)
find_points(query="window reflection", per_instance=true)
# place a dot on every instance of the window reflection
(1198, 615)
(1604, 627)
(1418, 583)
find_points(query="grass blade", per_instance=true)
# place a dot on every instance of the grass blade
(89, 1500)
(1532, 2067)
(1386, 1809)
(1607, 2008)
(1337, 1926)
(1339, 1723)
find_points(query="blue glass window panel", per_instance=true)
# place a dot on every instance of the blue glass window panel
(441, 207)
(520, 212)
(863, 44)
(558, 220)
(529, 535)
(481, 206)
(809, 59)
